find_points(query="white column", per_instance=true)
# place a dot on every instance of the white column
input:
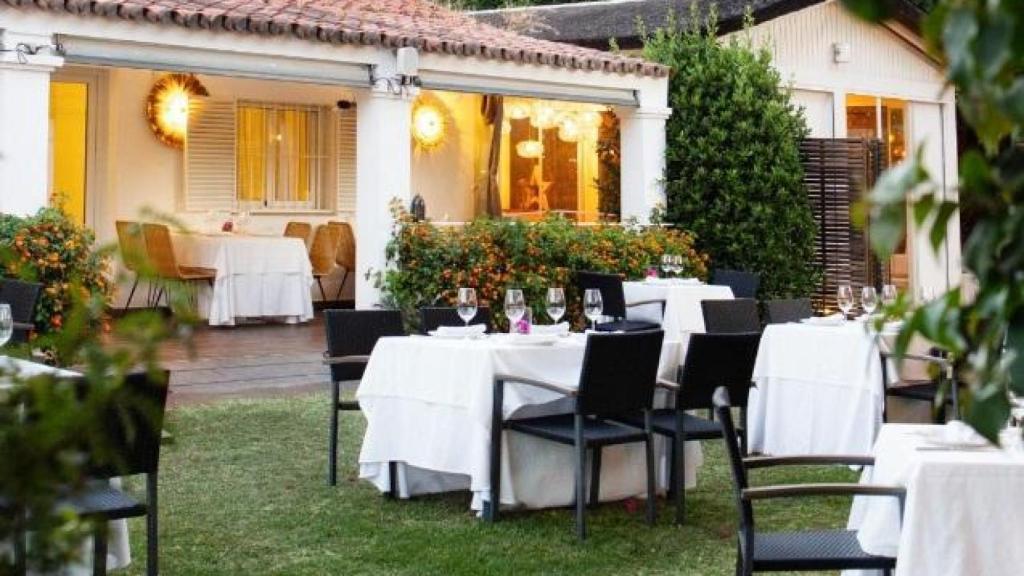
(642, 164)
(383, 174)
(25, 121)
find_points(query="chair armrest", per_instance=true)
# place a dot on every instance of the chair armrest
(354, 359)
(646, 302)
(937, 360)
(824, 489)
(767, 461)
(24, 326)
(667, 384)
(538, 383)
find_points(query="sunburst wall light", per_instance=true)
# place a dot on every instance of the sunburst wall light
(167, 107)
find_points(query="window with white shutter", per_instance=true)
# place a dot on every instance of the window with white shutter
(345, 150)
(210, 155)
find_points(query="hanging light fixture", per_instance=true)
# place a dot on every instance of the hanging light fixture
(518, 111)
(530, 149)
(591, 119)
(506, 127)
(544, 116)
(569, 128)
(167, 107)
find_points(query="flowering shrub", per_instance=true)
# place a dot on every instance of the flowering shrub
(51, 249)
(430, 262)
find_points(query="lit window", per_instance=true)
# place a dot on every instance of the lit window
(281, 157)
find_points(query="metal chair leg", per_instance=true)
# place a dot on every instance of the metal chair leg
(332, 443)
(392, 481)
(678, 462)
(152, 526)
(320, 282)
(581, 467)
(99, 549)
(131, 293)
(493, 506)
(337, 298)
(595, 476)
(651, 491)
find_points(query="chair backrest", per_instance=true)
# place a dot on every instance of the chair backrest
(743, 284)
(300, 230)
(355, 333)
(324, 249)
(723, 413)
(619, 372)
(432, 317)
(346, 256)
(131, 242)
(717, 360)
(130, 427)
(613, 298)
(790, 310)
(730, 316)
(160, 249)
(22, 297)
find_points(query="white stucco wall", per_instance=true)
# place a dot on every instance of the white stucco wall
(444, 175)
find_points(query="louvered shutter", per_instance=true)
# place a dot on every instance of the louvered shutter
(210, 155)
(345, 146)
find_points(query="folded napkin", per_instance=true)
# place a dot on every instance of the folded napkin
(831, 320)
(460, 331)
(670, 281)
(561, 329)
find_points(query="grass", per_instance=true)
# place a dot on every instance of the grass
(243, 491)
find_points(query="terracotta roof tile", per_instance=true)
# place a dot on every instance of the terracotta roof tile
(387, 23)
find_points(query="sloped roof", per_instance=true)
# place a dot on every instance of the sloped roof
(384, 23)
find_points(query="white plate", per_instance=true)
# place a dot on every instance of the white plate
(450, 336)
(531, 339)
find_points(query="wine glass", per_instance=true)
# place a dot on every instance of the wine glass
(556, 304)
(515, 306)
(869, 299)
(666, 264)
(466, 305)
(889, 294)
(844, 297)
(927, 294)
(6, 324)
(677, 264)
(593, 307)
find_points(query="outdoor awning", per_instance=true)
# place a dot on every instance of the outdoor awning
(79, 50)
(437, 80)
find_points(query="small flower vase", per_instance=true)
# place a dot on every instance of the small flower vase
(652, 271)
(524, 323)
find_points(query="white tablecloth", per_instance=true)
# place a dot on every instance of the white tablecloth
(682, 304)
(963, 508)
(818, 390)
(427, 403)
(118, 552)
(257, 276)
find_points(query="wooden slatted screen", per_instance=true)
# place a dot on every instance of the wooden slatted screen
(837, 173)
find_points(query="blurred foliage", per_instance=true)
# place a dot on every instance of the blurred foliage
(430, 263)
(609, 180)
(733, 172)
(981, 46)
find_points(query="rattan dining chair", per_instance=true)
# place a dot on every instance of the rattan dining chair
(22, 297)
(613, 300)
(132, 244)
(730, 316)
(433, 317)
(810, 550)
(788, 310)
(712, 361)
(300, 230)
(351, 336)
(346, 256)
(618, 377)
(160, 251)
(322, 254)
(743, 284)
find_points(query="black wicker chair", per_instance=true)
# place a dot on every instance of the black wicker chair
(431, 318)
(132, 429)
(922, 390)
(743, 284)
(618, 376)
(791, 310)
(712, 361)
(730, 316)
(812, 550)
(351, 336)
(614, 304)
(22, 297)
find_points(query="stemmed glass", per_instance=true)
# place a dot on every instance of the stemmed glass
(466, 305)
(844, 297)
(666, 264)
(6, 324)
(869, 299)
(515, 307)
(677, 264)
(593, 307)
(556, 304)
(889, 294)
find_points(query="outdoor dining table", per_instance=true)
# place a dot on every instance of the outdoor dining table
(118, 551)
(257, 276)
(427, 402)
(962, 510)
(682, 297)
(818, 390)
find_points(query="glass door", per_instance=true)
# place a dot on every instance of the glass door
(69, 130)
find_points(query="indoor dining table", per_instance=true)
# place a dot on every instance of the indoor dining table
(682, 313)
(427, 402)
(257, 276)
(118, 551)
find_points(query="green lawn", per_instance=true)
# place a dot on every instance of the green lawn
(243, 492)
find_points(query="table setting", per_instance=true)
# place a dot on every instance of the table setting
(682, 297)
